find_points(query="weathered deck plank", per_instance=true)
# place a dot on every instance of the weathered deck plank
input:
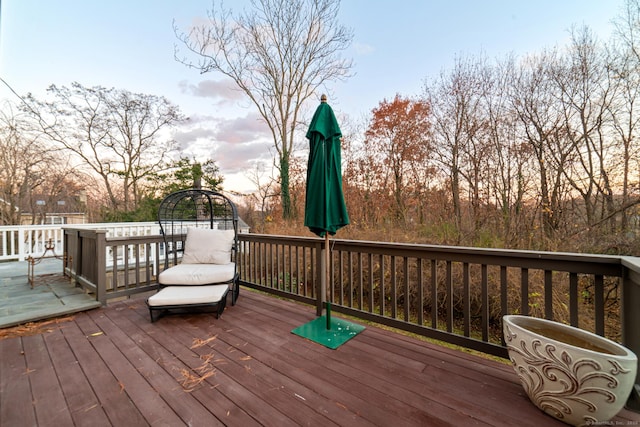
(127, 363)
(109, 390)
(342, 384)
(48, 397)
(203, 403)
(82, 403)
(15, 391)
(111, 366)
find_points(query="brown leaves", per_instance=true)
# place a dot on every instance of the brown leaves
(197, 342)
(190, 380)
(33, 328)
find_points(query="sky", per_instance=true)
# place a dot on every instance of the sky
(397, 45)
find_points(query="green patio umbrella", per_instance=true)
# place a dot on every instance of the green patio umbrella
(325, 210)
(325, 213)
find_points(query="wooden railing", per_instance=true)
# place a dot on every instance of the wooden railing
(454, 294)
(19, 242)
(112, 267)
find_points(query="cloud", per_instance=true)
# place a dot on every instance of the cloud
(363, 49)
(223, 90)
(233, 158)
(199, 118)
(233, 143)
(242, 129)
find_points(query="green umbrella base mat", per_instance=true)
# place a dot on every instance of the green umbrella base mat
(341, 331)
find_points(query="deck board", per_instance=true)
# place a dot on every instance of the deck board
(110, 391)
(48, 397)
(15, 390)
(346, 384)
(83, 405)
(112, 366)
(128, 363)
(167, 353)
(162, 368)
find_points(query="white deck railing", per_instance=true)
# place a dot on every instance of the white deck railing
(20, 242)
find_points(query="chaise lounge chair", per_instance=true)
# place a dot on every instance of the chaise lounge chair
(200, 231)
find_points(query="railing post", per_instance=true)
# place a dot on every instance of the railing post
(101, 264)
(77, 260)
(631, 319)
(22, 244)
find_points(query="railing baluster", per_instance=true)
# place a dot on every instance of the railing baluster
(341, 267)
(420, 305)
(484, 289)
(305, 271)
(599, 303)
(295, 288)
(371, 299)
(407, 293)
(449, 287)
(434, 294)
(573, 299)
(271, 267)
(548, 294)
(295, 271)
(114, 268)
(524, 293)
(360, 283)
(466, 303)
(351, 281)
(286, 281)
(394, 288)
(383, 293)
(503, 291)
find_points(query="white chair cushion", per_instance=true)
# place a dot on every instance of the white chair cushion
(184, 295)
(206, 246)
(197, 274)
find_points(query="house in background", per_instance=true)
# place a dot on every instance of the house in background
(61, 210)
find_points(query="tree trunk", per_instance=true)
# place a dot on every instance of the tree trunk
(285, 194)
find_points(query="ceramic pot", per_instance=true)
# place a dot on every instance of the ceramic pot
(573, 375)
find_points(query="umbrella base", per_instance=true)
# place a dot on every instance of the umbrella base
(316, 330)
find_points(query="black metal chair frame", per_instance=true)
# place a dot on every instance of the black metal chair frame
(203, 209)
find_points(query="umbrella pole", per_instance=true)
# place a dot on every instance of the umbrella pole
(328, 279)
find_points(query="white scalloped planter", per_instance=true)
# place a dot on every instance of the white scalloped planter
(573, 375)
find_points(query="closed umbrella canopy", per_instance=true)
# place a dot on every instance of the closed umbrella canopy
(325, 209)
(325, 213)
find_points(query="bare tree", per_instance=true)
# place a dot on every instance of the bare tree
(30, 170)
(260, 200)
(507, 169)
(454, 99)
(534, 103)
(585, 98)
(624, 108)
(20, 164)
(278, 52)
(121, 136)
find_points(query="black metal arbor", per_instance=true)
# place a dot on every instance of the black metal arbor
(197, 208)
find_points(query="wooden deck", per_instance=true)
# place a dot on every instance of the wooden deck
(111, 366)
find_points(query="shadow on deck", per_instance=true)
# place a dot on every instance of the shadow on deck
(112, 366)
